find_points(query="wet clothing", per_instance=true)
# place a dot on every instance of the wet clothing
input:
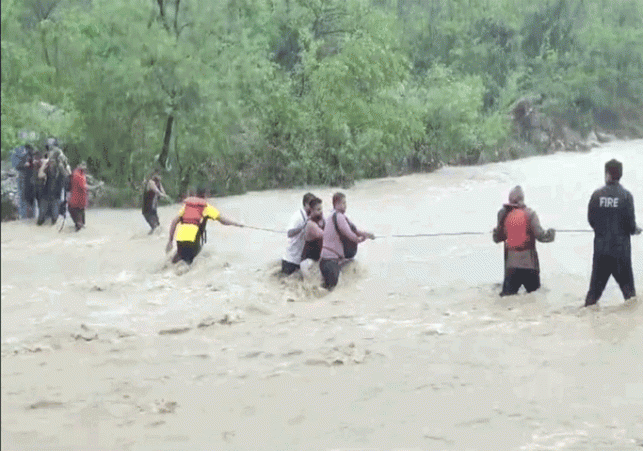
(152, 218)
(314, 240)
(194, 214)
(288, 268)
(48, 207)
(517, 277)
(78, 216)
(150, 203)
(333, 247)
(190, 231)
(519, 228)
(186, 251)
(333, 254)
(611, 214)
(296, 243)
(330, 270)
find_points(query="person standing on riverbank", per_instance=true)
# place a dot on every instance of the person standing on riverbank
(77, 201)
(519, 228)
(22, 161)
(53, 176)
(611, 215)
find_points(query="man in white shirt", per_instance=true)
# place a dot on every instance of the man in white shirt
(296, 237)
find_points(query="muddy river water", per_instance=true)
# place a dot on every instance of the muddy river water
(106, 346)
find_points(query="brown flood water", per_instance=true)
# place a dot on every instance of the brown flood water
(105, 346)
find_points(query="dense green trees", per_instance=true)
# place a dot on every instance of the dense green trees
(246, 94)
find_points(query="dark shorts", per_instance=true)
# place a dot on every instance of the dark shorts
(517, 277)
(186, 251)
(78, 216)
(330, 272)
(152, 218)
(605, 266)
(288, 268)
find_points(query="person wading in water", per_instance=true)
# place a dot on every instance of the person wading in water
(519, 228)
(341, 238)
(153, 189)
(611, 215)
(189, 226)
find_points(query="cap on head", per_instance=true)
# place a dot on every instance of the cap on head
(615, 169)
(517, 196)
(83, 165)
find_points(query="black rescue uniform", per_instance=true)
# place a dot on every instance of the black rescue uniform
(611, 215)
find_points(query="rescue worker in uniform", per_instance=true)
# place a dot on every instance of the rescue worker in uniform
(611, 215)
(519, 228)
(190, 226)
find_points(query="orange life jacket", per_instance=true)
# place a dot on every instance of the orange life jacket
(193, 213)
(517, 229)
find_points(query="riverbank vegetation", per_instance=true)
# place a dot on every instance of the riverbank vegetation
(254, 94)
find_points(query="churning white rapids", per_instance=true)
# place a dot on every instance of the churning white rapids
(106, 346)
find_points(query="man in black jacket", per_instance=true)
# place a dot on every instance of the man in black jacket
(611, 215)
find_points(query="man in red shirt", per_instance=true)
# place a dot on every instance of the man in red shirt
(78, 196)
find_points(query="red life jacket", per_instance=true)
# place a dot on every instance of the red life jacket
(517, 228)
(193, 213)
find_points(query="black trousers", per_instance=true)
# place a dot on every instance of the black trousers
(48, 207)
(78, 216)
(186, 251)
(330, 272)
(152, 218)
(517, 277)
(604, 266)
(288, 268)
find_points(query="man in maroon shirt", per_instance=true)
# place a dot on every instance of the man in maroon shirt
(340, 241)
(78, 196)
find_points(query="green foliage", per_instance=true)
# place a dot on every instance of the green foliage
(244, 94)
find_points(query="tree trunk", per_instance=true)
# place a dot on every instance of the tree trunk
(166, 141)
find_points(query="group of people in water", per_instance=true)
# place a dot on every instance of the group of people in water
(48, 186)
(333, 241)
(611, 216)
(46, 181)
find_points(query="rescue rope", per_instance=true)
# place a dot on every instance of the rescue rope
(432, 234)
(419, 235)
(265, 230)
